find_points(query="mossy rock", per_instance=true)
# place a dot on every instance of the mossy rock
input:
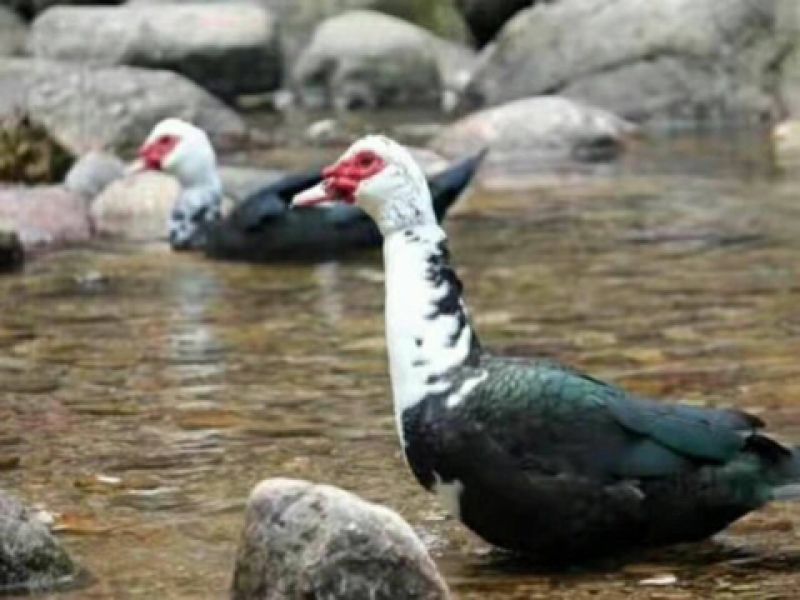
(29, 155)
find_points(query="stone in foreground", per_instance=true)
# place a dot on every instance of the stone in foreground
(30, 557)
(316, 541)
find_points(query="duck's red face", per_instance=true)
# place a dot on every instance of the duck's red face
(154, 152)
(341, 180)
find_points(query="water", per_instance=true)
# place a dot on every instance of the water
(145, 393)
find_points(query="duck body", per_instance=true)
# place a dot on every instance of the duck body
(263, 228)
(533, 456)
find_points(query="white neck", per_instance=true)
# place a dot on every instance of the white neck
(427, 326)
(199, 203)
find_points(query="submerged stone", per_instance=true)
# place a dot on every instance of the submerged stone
(30, 557)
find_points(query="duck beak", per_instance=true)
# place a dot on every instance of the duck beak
(313, 196)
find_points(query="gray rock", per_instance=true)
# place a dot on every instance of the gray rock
(229, 49)
(672, 59)
(30, 557)
(536, 135)
(136, 207)
(30, 8)
(44, 216)
(368, 59)
(93, 172)
(13, 33)
(110, 108)
(790, 82)
(303, 540)
(299, 18)
(486, 17)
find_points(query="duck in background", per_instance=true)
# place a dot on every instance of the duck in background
(534, 456)
(262, 228)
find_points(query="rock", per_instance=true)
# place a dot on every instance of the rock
(110, 108)
(93, 172)
(789, 87)
(13, 33)
(299, 18)
(11, 254)
(229, 49)
(44, 216)
(368, 59)
(136, 207)
(30, 557)
(303, 540)
(30, 8)
(536, 135)
(486, 17)
(786, 144)
(695, 60)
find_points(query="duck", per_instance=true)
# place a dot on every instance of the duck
(262, 227)
(536, 457)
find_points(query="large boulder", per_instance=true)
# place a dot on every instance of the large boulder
(30, 8)
(44, 216)
(13, 33)
(368, 59)
(110, 108)
(537, 135)
(298, 18)
(665, 59)
(30, 557)
(486, 17)
(303, 540)
(229, 49)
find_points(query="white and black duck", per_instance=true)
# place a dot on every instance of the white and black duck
(534, 456)
(262, 228)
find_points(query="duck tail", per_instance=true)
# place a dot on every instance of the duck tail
(783, 466)
(448, 185)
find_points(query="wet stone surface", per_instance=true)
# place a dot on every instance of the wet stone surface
(143, 394)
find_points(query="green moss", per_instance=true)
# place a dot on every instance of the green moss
(29, 155)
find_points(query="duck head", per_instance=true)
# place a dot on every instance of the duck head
(180, 149)
(185, 152)
(381, 177)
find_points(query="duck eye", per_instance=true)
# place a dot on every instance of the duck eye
(366, 160)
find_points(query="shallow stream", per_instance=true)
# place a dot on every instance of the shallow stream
(144, 393)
